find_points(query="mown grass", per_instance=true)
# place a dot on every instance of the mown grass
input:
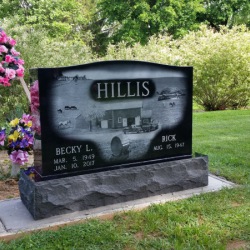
(207, 221)
(225, 137)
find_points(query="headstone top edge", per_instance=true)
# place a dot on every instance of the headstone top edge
(117, 62)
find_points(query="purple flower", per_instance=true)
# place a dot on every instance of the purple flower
(19, 157)
(29, 171)
(29, 138)
(23, 144)
(2, 137)
(13, 145)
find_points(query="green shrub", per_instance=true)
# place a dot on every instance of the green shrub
(221, 62)
(13, 102)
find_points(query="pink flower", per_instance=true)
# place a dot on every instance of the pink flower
(3, 37)
(9, 59)
(36, 126)
(3, 49)
(35, 87)
(26, 118)
(4, 81)
(12, 41)
(14, 52)
(34, 103)
(20, 72)
(10, 73)
(19, 157)
(20, 61)
(2, 69)
(6, 84)
(9, 56)
(34, 93)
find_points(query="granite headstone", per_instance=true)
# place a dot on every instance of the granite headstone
(111, 132)
(114, 114)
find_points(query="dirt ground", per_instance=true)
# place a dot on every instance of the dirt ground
(8, 187)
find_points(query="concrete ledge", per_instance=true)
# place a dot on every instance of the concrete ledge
(84, 192)
(17, 221)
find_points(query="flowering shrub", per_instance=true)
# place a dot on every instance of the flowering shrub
(20, 139)
(11, 66)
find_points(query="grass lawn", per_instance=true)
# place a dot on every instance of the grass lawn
(218, 220)
(225, 137)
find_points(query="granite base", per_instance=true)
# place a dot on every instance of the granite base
(65, 195)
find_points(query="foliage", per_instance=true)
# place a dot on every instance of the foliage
(221, 68)
(62, 19)
(134, 21)
(98, 22)
(137, 21)
(221, 62)
(13, 102)
(226, 12)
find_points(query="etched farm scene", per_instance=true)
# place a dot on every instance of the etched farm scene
(76, 115)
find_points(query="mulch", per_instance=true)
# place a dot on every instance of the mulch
(8, 186)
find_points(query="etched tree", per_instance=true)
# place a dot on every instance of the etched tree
(92, 113)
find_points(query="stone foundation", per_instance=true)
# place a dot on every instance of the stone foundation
(65, 195)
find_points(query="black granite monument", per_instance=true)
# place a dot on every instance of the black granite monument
(110, 132)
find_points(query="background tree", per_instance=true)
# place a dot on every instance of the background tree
(62, 19)
(136, 21)
(225, 12)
